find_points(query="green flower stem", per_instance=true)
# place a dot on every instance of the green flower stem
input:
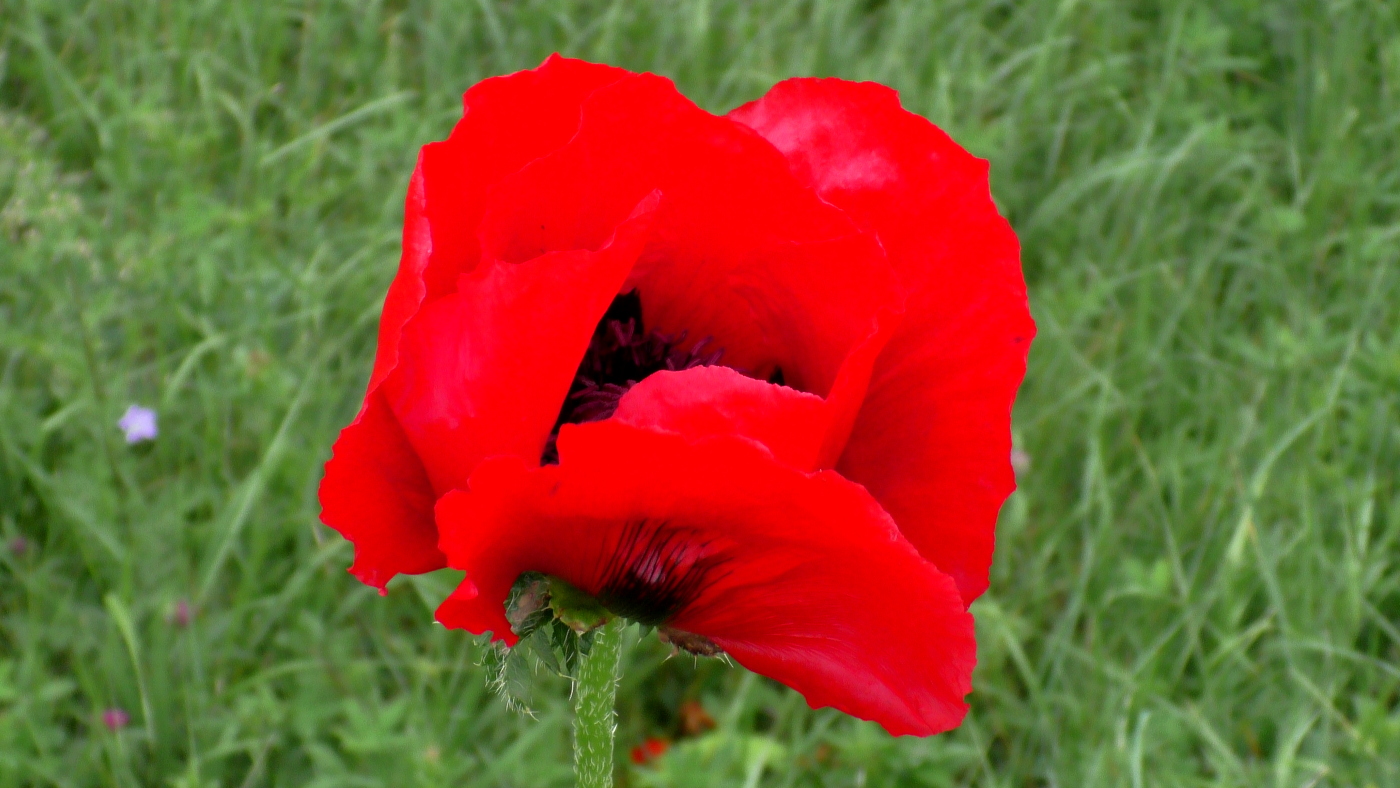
(595, 721)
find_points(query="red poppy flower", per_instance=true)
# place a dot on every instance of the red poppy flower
(649, 750)
(747, 378)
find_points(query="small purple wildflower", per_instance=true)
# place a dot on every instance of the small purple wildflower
(115, 719)
(1020, 462)
(139, 424)
(19, 546)
(181, 615)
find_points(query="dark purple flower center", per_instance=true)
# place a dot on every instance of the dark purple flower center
(621, 354)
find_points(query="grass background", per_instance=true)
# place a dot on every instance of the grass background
(1197, 583)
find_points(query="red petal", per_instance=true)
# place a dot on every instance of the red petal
(480, 372)
(507, 122)
(484, 371)
(706, 402)
(376, 494)
(826, 310)
(726, 191)
(819, 307)
(805, 578)
(816, 304)
(407, 290)
(932, 440)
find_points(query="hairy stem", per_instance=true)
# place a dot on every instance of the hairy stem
(595, 721)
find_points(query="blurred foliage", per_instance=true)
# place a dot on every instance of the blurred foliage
(1196, 585)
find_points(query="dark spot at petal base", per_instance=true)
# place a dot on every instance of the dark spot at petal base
(656, 570)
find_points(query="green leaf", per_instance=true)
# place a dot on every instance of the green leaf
(509, 675)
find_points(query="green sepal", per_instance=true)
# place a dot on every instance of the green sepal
(579, 611)
(556, 624)
(527, 604)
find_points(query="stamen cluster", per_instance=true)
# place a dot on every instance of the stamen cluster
(621, 353)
